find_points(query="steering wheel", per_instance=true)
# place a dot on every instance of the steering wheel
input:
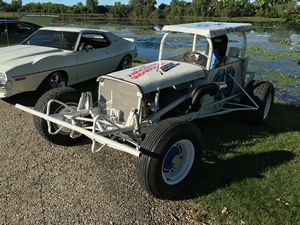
(195, 57)
(68, 45)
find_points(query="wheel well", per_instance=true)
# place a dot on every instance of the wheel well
(62, 72)
(42, 84)
(57, 71)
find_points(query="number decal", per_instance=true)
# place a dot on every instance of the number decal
(229, 81)
(223, 76)
(219, 78)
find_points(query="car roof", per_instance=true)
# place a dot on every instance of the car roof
(72, 29)
(208, 29)
(8, 20)
(13, 21)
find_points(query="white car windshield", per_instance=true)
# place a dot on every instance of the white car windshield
(55, 39)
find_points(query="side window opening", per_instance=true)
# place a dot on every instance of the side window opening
(23, 28)
(220, 44)
(93, 41)
(234, 44)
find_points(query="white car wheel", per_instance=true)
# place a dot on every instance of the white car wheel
(178, 162)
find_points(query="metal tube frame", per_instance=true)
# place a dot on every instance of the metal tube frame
(92, 135)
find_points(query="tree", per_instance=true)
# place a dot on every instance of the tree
(16, 2)
(177, 10)
(119, 10)
(276, 8)
(200, 7)
(91, 5)
(14, 6)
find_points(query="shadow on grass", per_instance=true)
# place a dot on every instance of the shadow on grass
(215, 175)
(225, 135)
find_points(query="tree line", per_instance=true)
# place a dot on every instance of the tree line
(176, 10)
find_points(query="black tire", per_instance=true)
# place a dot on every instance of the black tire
(63, 94)
(125, 63)
(158, 144)
(54, 80)
(262, 92)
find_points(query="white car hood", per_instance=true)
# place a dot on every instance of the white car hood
(160, 74)
(23, 54)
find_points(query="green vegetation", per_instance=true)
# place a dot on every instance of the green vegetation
(250, 174)
(256, 50)
(177, 10)
(139, 61)
(286, 42)
(285, 80)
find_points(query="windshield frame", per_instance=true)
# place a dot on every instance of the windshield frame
(75, 43)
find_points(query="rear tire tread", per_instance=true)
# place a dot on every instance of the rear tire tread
(259, 90)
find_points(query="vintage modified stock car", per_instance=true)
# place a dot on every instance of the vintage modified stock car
(147, 111)
(61, 56)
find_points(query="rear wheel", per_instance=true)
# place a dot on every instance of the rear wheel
(70, 97)
(126, 63)
(262, 93)
(171, 154)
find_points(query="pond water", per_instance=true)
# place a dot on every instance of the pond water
(273, 51)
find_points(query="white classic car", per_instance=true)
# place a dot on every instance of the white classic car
(61, 56)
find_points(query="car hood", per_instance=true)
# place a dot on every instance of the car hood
(160, 74)
(22, 54)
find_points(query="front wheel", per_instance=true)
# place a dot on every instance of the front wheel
(70, 97)
(171, 154)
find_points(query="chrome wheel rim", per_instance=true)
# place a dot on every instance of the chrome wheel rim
(59, 112)
(268, 106)
(57, 80)
(178, 162)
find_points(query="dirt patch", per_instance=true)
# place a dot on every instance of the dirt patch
(45, 183)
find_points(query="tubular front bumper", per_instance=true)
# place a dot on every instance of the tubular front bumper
(95, 137)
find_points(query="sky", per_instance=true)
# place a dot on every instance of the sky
(74, 2)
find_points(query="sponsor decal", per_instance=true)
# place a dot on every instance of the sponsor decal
(143, 70)
(154, 66)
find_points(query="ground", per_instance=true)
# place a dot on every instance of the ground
(249, 175)
(41, 183)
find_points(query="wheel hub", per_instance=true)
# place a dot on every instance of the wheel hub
(178, 162)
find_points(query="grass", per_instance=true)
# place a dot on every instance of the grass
(139, 61)
(250, 174)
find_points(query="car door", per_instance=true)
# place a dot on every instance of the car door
(93, 55)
